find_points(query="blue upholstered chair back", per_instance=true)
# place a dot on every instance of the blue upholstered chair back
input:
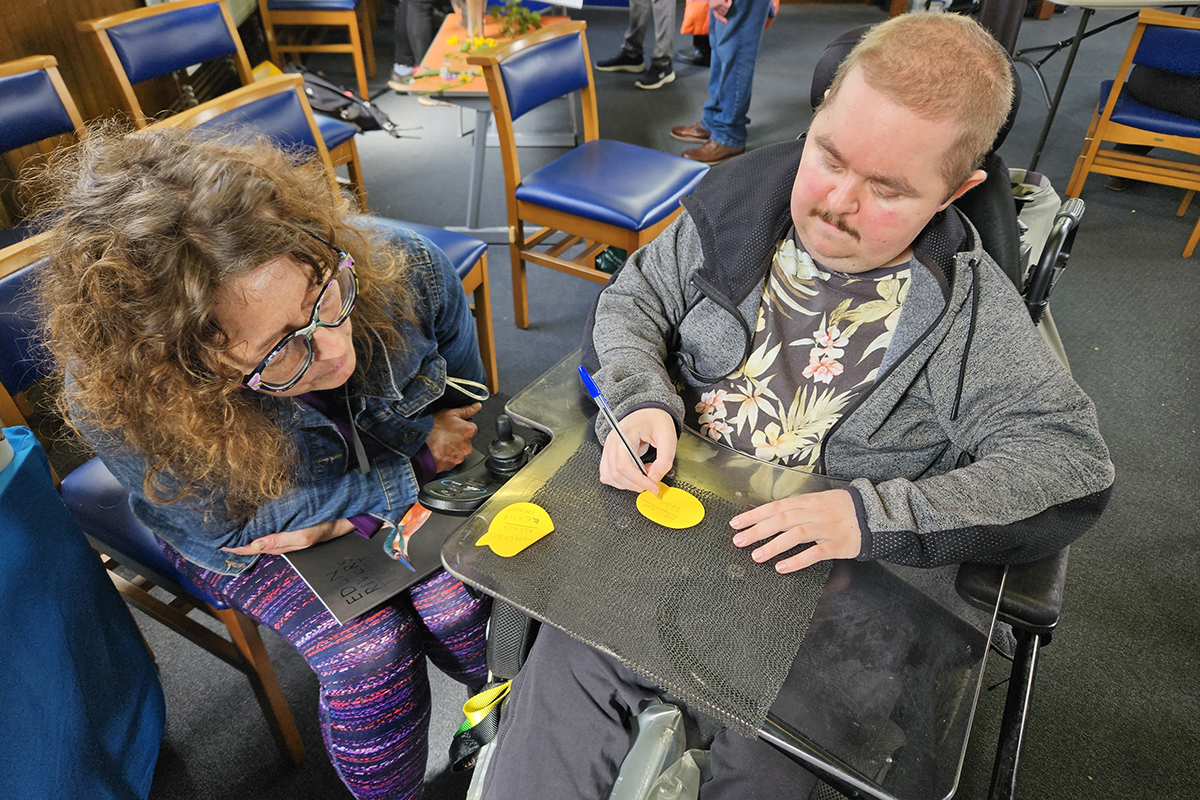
(280, 116)
(30, 110)
(171, 40)
(22, 362)
(1174, 50)
(543, 72)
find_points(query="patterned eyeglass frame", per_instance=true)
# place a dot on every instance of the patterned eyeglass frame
(253, 379)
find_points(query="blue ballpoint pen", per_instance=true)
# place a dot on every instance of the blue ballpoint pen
(594, 391)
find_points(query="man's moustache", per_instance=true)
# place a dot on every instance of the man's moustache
(828, 216)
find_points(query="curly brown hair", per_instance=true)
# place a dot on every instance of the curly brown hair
(147, 227)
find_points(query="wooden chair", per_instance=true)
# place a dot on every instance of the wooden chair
(101, 506)
(603, 193)
(35, 109)
(151, 42)
(278, 107)
(353, 15)
(1167, 42)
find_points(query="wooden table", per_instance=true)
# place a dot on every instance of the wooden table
(472, 94)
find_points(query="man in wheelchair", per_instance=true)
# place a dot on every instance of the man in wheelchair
(822, 305)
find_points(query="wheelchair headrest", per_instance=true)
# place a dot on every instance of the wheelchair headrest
(837, 50)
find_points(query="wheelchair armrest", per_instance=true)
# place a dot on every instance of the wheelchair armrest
(1033, 592)
(1055, 253)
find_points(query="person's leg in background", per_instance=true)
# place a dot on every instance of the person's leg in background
(730, 77)
(412, 33)
(630, 59)
(660, 71)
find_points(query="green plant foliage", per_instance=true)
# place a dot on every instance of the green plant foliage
(515, 19)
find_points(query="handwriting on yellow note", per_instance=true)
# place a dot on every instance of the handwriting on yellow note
(515, 528)
(673, 508)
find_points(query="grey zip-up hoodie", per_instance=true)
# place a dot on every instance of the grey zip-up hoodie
(973, 444)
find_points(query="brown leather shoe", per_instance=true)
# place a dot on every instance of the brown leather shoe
(690, 133)
(713, 153)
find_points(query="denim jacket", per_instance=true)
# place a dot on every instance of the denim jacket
(393, 401)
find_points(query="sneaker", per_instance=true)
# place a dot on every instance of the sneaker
(690, 133)
(658, 75)
(401, 78)
(712, 153)
(623, 62)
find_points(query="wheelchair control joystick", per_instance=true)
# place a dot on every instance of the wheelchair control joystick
(479, 477)
(506, 454)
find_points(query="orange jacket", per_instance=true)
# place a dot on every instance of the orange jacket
(695, 17)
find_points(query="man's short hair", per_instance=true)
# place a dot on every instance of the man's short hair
(941, 67)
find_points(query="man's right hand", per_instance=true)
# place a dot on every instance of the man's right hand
(721, 9)
(643, 428)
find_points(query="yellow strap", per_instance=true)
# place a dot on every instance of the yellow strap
(482, 704)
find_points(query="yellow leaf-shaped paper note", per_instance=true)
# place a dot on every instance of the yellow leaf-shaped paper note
(515, 528)
(673, 508)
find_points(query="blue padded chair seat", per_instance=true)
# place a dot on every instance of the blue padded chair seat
(334, 132)
(30, 110)
(1137, 115)
(613, 182)
(462, 250)
(312, 5)
(101, 505)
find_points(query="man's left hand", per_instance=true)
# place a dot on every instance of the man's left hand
(826, 519)
(721, 9)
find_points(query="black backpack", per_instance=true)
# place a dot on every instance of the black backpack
(332, 100)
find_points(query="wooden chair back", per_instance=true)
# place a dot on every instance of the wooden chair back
(1163, 41)
(150, 42)
(531, 70)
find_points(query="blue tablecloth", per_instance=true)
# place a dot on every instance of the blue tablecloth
(81, 706)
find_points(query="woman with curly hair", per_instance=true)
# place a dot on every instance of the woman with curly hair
(262, 375)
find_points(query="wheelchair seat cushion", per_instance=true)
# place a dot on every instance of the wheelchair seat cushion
(612, 182)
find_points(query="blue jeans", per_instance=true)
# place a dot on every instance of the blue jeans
(734, 52)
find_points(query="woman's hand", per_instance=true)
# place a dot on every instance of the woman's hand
(450, 439)
(286, 541)
(827, 519)
(643, 428)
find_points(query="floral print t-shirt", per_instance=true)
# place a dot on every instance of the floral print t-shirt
(819, 339)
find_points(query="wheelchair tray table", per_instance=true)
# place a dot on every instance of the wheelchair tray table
(897, 636)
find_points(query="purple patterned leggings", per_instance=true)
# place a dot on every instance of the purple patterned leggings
(374, 701)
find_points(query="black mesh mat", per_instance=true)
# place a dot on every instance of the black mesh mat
(655, 615)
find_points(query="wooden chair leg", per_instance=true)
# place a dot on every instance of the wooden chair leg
(483, 327)
(1187, 201)
(354, 170)
(356, 44)
(244, 633)
(368, 25)
(1087, 155)
(1192, 240)
(520, 292)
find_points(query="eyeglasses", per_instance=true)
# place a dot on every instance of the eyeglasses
(287, 362)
